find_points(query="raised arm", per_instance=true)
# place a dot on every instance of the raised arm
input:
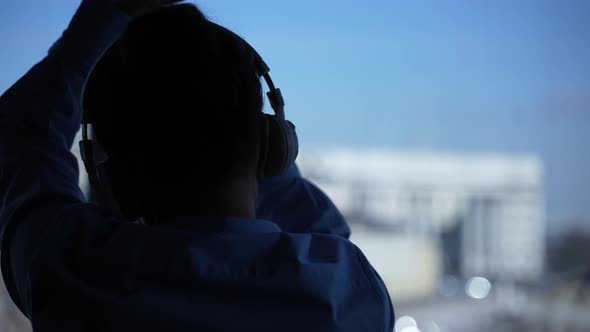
(298, 206)
(39, 118)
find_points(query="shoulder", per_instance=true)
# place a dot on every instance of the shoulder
(348, 276)
(331, 252)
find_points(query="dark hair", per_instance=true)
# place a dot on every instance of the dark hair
(179, 98)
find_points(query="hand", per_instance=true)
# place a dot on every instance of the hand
(136, 8)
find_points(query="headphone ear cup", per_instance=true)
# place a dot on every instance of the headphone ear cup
(283, 146)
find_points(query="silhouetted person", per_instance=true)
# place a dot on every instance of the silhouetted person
(229, 239)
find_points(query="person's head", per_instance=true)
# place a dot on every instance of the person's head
(177, 105)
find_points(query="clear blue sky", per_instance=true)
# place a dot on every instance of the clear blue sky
(483, 76)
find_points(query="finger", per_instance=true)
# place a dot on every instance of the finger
(170, 2)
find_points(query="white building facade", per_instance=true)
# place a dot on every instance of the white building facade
(493, 204)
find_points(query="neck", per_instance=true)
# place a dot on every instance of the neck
(236, 199)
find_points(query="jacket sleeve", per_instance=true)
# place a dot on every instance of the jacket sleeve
(39, 118)
(298, 206)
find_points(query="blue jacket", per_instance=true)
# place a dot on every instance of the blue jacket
(70, 267)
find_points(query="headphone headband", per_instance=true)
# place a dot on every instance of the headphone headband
(277, 102)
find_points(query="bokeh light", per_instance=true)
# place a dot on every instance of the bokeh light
(405, 323)
(478, 287)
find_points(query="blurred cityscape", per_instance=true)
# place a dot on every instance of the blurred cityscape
(459, 239)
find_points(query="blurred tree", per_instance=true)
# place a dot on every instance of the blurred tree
(569, 253)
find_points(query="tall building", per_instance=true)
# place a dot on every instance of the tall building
(483, 212)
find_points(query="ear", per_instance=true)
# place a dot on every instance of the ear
(263, 143)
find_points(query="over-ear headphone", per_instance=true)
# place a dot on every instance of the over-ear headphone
(280, 153)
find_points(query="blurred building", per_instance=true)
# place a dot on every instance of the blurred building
(482, 215)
